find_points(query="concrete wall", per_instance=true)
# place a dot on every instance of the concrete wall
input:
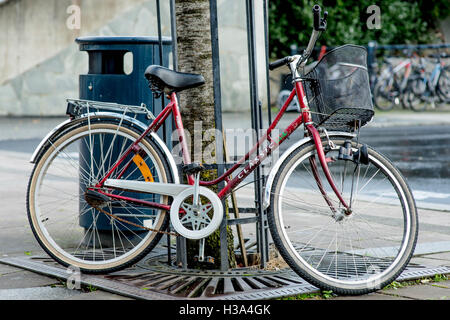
(234, 54)
(445, 27)
(32, 31)
(40, 63)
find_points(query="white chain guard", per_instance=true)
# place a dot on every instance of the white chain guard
(201, 224)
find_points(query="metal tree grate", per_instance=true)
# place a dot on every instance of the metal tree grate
(154, 279)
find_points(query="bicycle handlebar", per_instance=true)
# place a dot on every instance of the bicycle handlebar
(279, 63)
(320, 24)
(316, 16)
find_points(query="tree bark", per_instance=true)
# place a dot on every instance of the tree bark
(195, 55)
(197, 104)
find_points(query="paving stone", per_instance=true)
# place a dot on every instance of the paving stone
(441, 256)
(422, 292)
(429, 262)
(441, 284)
(97, 295)
(25, 279)
(6, 269)
(373, 296)
(38, 293)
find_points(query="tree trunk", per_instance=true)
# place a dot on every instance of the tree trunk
(197, 104)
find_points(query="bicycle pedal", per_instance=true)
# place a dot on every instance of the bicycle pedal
(209, 260)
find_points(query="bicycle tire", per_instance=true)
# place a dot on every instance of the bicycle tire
(353, 268)
(58, 238)
(382, 96)
(412, 98)
(443, 86)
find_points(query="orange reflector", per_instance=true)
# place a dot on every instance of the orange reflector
(145, 171)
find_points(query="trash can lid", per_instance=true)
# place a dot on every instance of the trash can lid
(122, 40)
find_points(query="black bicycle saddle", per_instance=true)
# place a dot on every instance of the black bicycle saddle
(162, 78)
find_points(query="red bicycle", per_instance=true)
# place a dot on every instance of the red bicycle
(104, 186)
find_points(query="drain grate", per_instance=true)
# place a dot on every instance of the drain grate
(154, 279)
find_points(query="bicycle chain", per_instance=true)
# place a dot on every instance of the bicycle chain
(135, 224)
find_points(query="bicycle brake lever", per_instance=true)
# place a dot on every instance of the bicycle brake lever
(323, 22)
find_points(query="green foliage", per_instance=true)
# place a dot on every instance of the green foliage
(440, 277)
(290, 22)
(322, 295)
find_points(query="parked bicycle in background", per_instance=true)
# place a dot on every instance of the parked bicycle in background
(392, 83)
(430, 83)
(414, 83)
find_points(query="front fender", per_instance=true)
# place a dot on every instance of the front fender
(277, 165)
(69, 123)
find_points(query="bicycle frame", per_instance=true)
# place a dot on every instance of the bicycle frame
(434, 77)
(431, 81)
(405, 64)
(173, 108)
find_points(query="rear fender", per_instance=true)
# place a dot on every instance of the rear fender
(69, 123)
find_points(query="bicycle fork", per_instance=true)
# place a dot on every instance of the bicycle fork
(324, 164)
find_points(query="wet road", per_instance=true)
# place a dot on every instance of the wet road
(422, 153)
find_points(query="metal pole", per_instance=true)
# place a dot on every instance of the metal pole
(266, 42)
(254, 102)
(173, 33)
(158, 19)
(371, 59)
(224, 265)
(181, 241)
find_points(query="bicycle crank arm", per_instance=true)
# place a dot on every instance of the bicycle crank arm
(167, 189)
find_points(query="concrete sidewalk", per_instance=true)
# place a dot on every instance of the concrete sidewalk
(17, 240)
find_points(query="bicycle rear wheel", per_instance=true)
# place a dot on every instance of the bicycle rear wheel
(416, 89)
(61, 214)
(443, 86)
(385, 94)
(348, 254)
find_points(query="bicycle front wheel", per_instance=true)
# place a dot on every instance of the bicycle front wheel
(349, 254)
(68, 224)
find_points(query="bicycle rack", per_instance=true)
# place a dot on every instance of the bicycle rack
(256, 125)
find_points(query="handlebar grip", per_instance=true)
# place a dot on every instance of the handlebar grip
(316, 15)
(279, 63)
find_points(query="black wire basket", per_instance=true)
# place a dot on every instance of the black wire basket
(338, 89)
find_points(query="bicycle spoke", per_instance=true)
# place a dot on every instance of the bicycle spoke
(76, 231)
(334, 246)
